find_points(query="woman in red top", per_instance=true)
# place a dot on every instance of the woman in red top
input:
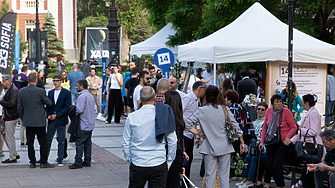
(276, 154)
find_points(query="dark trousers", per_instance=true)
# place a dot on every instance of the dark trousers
(156, 176)
(175, 168)
(114, 101)
(189, 145)
(274, 164)
(308, 178)
(40, 132)
(84, 145)
(52, 127)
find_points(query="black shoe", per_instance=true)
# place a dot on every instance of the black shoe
(9, 161)
(258, 186)
(32, 165)
(47, 165)
(86, 164)
(75, 166)
(18, 157)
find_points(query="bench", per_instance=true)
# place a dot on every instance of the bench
(293, 170)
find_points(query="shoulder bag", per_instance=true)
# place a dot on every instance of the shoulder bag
(277, 137)
(231, 132)
(306, 150)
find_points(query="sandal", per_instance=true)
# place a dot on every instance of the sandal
(297, 185)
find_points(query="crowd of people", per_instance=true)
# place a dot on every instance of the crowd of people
(164, 124)
(205, 109)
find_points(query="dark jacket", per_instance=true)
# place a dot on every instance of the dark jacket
(9, 103)
(61, 108)
(245, 87)
(74, 128)
(30, 106)
(164, 121)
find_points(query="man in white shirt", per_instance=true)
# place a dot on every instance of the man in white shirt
(190, 105)
(208, 74)
(144, 81)
(149, 159)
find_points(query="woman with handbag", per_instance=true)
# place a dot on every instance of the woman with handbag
(309, 131)
(214, 120)
(252, 158)
(279, 126)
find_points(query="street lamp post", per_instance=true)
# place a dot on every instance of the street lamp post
(113, 34)
(290, 52)
(38, 36)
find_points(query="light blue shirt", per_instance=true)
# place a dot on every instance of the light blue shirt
(85, 108)
(190, 105)
(74, 77)
(207, 75)
(139, 143)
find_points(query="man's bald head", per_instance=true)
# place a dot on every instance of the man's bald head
(173, 83)
(147, 94)
(75, 66)
(163, 85)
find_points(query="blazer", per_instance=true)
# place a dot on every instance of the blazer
(245, 87)
(61, 108)
(311, 121)
(30, 106)
(213, 124)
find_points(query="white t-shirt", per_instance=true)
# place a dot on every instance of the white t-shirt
(191, 82)
(114, 83)
(56, 94)
(136, 95)
(1, 96)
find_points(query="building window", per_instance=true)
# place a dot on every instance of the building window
(31, 4)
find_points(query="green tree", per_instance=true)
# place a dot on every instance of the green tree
(4, 8)
(55, 45)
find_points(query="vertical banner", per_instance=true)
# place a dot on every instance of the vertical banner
(8, 25)
(97, 43)
(310, 78)
(17, 50)
(103, 67)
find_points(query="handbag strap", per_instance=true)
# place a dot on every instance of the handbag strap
(306, 136)
(225, 113)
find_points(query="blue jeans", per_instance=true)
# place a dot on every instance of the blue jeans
(251, 170)
(319, 177)
(329, 109)
(51, 129)
(84, 145)
(74, 96)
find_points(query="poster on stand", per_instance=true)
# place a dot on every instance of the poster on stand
(310, 78)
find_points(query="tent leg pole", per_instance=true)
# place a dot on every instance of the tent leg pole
(215, 75)
(187, 76)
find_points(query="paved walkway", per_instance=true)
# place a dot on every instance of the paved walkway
(108, 167)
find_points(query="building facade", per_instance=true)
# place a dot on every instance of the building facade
(65, 14)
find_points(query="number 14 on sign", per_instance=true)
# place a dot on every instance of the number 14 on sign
(164, 58)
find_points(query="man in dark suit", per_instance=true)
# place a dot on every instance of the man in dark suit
(57, 116)
(30, 107)
(245, 86)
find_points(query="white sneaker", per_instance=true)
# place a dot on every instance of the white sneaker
(240, 183)
(66, 159)
(99, 116)
(245, 186)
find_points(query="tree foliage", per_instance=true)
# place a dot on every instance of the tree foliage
(55, 45)
(199, 18)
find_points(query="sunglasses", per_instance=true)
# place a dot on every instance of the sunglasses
(56, 80)
(147, 78)
(172, 82)
(260, 109)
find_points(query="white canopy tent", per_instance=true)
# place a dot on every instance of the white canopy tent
(256, 36)
(155, 42)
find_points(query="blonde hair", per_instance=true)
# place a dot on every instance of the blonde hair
(294, 91)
